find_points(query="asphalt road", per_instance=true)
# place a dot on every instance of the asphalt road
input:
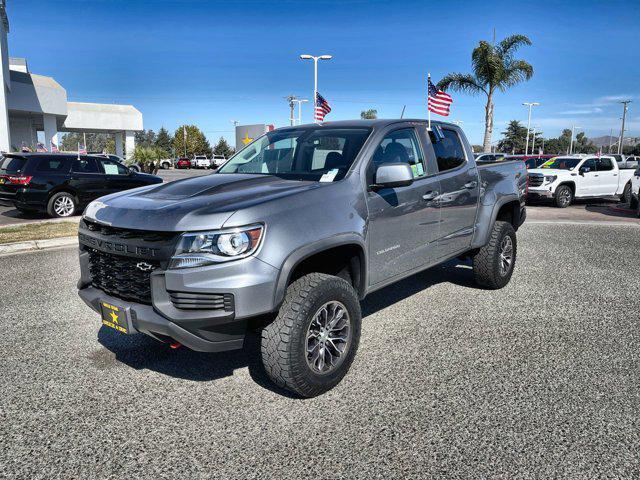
(538, 380)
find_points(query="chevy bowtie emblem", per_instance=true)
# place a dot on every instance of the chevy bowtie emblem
(144, 266)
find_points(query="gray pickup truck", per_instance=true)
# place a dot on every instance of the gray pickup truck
(291, 234)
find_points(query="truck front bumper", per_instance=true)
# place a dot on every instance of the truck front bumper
(237, 290)
(540, 193)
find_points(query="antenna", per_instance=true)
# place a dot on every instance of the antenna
(402, 114)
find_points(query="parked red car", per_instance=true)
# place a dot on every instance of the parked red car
(531, 161)
(183, 163)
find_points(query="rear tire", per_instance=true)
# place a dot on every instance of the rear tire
(62, 205)
(563, 196)
(633, 201)
(493, 264)
(311, 344)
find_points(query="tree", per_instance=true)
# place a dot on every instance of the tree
(494, 68)
(145, 138)
(197, 143)
(583, 145)
(515, 137)
(96, 142)
(148, 158)
(371, 114)
(164, 140)
(223, 148)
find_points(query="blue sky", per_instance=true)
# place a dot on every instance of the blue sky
(208, 62)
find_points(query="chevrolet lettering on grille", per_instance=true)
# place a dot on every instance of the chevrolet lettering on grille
(117, 247)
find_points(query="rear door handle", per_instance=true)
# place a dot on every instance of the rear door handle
(430, 195)
(470, 185)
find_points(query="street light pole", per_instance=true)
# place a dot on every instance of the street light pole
(530, 105)
(573, 127)
(300, 101)
(624, 117)
(315, 74)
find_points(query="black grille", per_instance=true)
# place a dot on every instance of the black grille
(202, 301)
(127, 234)
(535, 180)
(119, 276)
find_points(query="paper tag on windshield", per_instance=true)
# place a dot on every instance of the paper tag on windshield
(329, 176)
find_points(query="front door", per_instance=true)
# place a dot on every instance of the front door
(459, 191)
(403, 221)
(87, 179)
(118, 176)
(588, 184)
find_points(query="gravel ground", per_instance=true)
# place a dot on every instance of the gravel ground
(538, 380)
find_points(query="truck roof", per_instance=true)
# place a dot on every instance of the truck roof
(377, 123)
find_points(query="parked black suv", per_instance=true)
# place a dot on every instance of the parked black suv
(63, 184)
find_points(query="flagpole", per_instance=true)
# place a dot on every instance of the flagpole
(428, 109)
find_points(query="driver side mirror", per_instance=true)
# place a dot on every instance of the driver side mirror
(392, 175)
(584, 170)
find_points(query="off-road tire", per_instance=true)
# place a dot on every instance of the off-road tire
(559, 196)
(283, 343)
(486, 261)
(51, 205)
(633, 201)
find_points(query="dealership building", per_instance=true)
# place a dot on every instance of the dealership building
(32, 103)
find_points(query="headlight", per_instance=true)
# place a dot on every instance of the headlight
(206, 248)
(550, 178)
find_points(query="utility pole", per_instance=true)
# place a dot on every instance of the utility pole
(530, 105)
(610, 138)
(533, 140)
(291, 99)
(315, 75)
(624, 117)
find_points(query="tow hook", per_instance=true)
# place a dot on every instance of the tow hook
(175, 345)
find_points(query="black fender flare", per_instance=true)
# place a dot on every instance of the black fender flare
(306, 251)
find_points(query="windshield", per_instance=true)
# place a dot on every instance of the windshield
(561, 163)
(11, 165)
(316, 154)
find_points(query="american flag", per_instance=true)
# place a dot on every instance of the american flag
(82, 149)
(439, 101)
(54, 147)
(321, 109)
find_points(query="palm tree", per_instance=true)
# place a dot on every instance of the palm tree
(372, 113)
(494, 68)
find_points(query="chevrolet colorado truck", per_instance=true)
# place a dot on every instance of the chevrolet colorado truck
(291, 234)
(564, 178)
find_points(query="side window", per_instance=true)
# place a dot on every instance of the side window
(85, 165)
(113, 168)
(588, 166)
(400, 146)
(449, 150)
(53, 165)
(604, 164)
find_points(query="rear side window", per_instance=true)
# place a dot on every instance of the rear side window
(53, 165)
(449, 151)
(604, 164)
(85, 165)
(10, 165)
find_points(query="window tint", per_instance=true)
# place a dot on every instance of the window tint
(85, 165)
(400, 146)
(113, 168)
(449, 150)
(53, 165)
(589, 166)
(10, 165)
(604, 164)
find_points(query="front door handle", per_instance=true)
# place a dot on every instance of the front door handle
(471, 185)
(430, 195)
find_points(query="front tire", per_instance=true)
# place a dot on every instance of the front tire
(493, 264)
(563, 196)
(61, 205)
(311, 344)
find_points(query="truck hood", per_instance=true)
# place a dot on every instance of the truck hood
(199, 203)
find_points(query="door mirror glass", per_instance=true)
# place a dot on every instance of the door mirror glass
(584, 170)
(392, 175)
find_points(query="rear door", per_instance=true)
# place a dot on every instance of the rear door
(459, 191)
(87, 179)
(403, 221)
(607, 177)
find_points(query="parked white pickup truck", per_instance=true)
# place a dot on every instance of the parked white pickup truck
(562, 179)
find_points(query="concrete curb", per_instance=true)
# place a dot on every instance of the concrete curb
(75, 219)
(33, 245)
